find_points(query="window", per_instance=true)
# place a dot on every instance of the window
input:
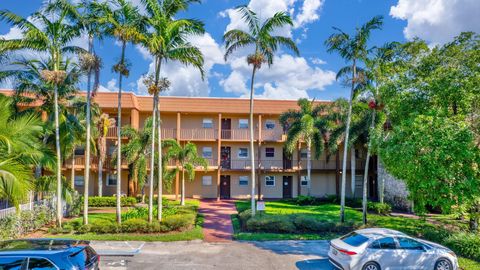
(242, 123)
(11, 263)
(269, 152)
(270, 181)
(207, 123)
(243, 152)
(111, 180)
(303, 153)
(207, 152)
(384, 243)
(243, 180)
(207, 180)
(111, 150)
(270, 124)
(304, 180)
(408, 243)
(79, 180)
(40, 264)
(357, 153)
(79, 151)
(83, 258)
(354, 239)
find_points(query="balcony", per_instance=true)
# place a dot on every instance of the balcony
(274, 135)
(200, 134)
(330, 165)
(277, 165)
(238, 134)
(212, 163)
(80, 163)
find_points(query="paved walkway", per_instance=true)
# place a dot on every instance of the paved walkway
(217, 226)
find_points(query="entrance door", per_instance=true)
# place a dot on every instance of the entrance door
(226, 128)
(287, 160)
(225, 157)
(287, 187)
(225, 187)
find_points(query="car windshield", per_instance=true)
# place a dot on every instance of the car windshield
(83, 257)
(354, 239)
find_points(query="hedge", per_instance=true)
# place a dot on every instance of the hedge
(15, 226)
(110, 201)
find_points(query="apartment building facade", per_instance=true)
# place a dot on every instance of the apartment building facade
(220, 129)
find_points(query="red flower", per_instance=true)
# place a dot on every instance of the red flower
(372, 104)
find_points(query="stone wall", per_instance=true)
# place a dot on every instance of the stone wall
(396, 192)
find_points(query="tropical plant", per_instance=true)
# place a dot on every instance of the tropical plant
(103, 124)
(262, 37)
(51, 34)
(167, 41)
(121, 20)
(188, 160)
(354, 50)
(309, 125)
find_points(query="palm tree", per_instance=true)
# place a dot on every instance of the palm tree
(103, 124)
(167, 42)
(353, 49)
(125, 23)
(266, 44)
(188, 159)
(308, 125)
(20, 150)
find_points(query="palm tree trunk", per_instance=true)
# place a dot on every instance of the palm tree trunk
(152, 160)
(160, 167)
(182, 197)
(309, 164)
(352, 169)
(252, 147)
(100, 177)
(345, 146)
(87, 141)
(365, 176)
(72, 172)
(59, 161)
(119, 138)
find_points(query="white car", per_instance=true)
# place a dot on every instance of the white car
(385, 249)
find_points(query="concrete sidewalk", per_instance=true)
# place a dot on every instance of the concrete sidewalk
(117, 248)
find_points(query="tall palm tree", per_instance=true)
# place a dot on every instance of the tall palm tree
(261, 37)
(167, 41)
(124, 22)
(103, 124)
(52, 35)
(188, 159)
(20, 150)
(308, 125)
(354, 50)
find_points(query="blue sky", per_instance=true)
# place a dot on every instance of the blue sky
(311, 74)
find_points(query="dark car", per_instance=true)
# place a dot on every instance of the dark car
(46, 254)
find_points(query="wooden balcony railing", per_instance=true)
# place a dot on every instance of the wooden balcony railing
(210, 163)
(203, 134)
(80, 163)
(272, 135)
(238, 134)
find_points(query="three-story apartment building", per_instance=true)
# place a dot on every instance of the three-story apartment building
(220, 129)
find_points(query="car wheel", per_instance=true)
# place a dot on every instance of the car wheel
(372, 266)
(443, 264)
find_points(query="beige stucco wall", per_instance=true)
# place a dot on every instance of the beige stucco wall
(195, 189)
(93, 183)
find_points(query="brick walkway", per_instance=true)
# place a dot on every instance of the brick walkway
(217, 226)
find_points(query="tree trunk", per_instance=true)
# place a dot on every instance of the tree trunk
(72, 171)
(87, 143)
(309, 164)
(365, 176)
(182, 197)
(59, 161)
(345, 147)
(119, 139)
(252, 147)
(160, 166)
(100, 177)
(352, 169)
(152, 160)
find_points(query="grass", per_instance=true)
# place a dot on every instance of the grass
(330, 212)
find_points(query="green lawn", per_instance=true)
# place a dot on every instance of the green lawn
(330, 212)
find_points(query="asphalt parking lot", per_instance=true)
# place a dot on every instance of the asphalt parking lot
(271, 255)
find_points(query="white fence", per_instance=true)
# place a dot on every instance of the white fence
(28, 207)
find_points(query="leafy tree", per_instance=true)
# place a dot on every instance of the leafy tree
(262, 38)
(121, 20)
(167, 41)
(354, 50)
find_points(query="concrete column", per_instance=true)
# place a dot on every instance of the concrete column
(219, 146)
(177, 176)
(135, 119)
(259, 153)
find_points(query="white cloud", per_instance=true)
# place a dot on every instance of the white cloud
(186, 80)
(13, 33)
(309, 12)
(317, 61)
(111, 86)
(289, 77)
(437, 21)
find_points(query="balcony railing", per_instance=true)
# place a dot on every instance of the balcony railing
(198, 134)
(277, 164)
(210, 163)
(80, 163)
(272, 135)
(238, 134)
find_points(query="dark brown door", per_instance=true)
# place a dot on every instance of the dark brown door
(287, 187)
(226, 128)
(287, 160)
(225, 187)
(226, 157)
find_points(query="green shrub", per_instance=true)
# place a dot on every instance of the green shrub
(267, 223)
(64, 230)
(305, 200)
(464, 244)
(379, 208)
(135, 225)
(103, 226)
(243, 217)
(310, 224)
(84, 229)
(110, 201)
(15, 226)
(179, 222)
(142, 212)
